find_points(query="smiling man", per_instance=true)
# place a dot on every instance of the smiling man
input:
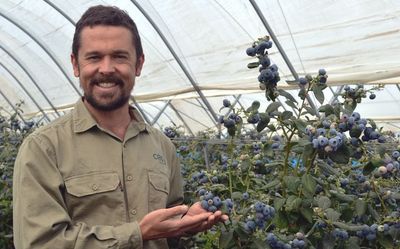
(100, 177)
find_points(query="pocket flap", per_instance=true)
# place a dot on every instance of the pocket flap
(159, 182)
(92, 183)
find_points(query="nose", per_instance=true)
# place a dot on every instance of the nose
(106, 66)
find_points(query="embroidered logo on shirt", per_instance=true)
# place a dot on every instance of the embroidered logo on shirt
(159, 158)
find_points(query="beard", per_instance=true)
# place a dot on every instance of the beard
(107, 102)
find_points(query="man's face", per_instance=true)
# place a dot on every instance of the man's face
(107, 66)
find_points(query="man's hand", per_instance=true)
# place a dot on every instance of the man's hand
(166, 223)
(212, 219)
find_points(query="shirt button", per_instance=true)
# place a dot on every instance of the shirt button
(129, 178)
(133, 211)
(95, 187)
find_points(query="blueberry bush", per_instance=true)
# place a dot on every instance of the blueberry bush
(12, 132)
(326, 178)
(298, 178)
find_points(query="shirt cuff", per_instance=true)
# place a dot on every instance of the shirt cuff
(129, 236)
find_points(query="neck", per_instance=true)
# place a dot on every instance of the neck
(116, 121)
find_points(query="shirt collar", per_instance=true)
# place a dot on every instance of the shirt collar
(83, 120)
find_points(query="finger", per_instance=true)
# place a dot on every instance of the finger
(169, 213)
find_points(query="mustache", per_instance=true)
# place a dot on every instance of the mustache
(110, 78)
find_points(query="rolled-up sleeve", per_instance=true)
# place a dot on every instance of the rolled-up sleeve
(40, 214)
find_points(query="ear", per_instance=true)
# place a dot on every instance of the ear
(75, 66)
(139, 65)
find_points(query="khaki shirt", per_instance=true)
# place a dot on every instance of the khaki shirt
(79, 186)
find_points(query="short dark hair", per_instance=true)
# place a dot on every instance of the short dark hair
(106, 15)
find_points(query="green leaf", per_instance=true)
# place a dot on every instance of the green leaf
(225, 239)
(385, 241)
(292, 203)
(368, 168)
(324, 202)
(373, 213)
(287, 95)
(360, 206)
(348, 227)
(342, 197)
(258, 244)
(292, 183)
(236, 195)
(264, 120)
(309, 184)
(302, 93)
(271, 127)
(271, 184)
(307, 154)
(280, 220)
(342, 155)
(286, 115)
(300, 125)
(273, 107)
(254, 106)
(353, 243)
(327, 109)
(319, 95)
(349, 107)
(253, 65)
(307, 214)
(278, 203)
(332, 214)
(232, 131)
(291, 104)
(310, 110)
(372, 123)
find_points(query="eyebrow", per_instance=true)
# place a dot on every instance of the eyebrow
(118, 51)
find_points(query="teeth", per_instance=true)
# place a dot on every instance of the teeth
(106, 84)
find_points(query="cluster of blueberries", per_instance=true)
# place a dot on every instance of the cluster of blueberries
(322, 78)
(298, 242)
(369, 232)
(212, 203)
(356, 94)
(340, 234)
(269, 75)
(325, 140)
(169, 132)
(391, 165)
(356, 126)
(264, 213)
(200, 177)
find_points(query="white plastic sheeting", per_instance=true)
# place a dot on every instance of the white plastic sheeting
(355, 41)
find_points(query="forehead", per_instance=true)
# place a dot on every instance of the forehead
(106, 37)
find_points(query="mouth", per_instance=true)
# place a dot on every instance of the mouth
(106, 84)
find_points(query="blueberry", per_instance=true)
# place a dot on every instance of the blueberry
(251, 51)
(372, 96)
(322, 72)
(303, 81)
(226, 103)
(265, 61)
(245, 196)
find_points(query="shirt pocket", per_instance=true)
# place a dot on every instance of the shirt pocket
(93, 183)
(158, 190)
(95, 198)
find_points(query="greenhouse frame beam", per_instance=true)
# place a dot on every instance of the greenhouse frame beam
(155, 119)
(49, 53)
(280, 48)
(24, 68)
(145, 117)
(12, 106)
(181, 118)
(335, 94)
(61, 12)
(26, 91)
(178, 60)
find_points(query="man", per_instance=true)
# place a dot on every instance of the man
(100, 177)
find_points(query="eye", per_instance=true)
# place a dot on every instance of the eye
(93, 57)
